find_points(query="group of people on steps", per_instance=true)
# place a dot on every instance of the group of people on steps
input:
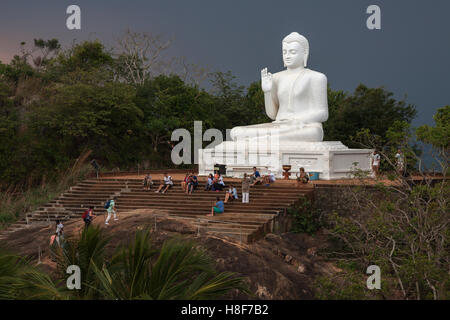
(189, 184)
(214, 182)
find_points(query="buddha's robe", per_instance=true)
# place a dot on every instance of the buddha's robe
(299, 106)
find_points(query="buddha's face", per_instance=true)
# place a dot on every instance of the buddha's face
(293, 55)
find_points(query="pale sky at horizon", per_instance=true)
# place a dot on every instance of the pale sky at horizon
(409, 56)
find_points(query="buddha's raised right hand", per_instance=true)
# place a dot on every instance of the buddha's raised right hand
(266, 80)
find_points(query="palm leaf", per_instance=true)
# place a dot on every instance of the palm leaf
(19, 279)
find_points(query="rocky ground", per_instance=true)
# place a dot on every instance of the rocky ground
(277, 267)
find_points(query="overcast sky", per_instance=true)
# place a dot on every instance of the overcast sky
(409, 56)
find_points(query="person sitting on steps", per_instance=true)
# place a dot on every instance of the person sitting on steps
(167, 183)
(268, 179)
(193, 183)
(218, 208)
(302, 177)
(255, 177)
(188, 181)
(185, 182)
(231, 194)
(209, 183)
(147, 182)
(218, 183)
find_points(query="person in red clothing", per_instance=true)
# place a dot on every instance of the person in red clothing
(88, 216)
(184, 183)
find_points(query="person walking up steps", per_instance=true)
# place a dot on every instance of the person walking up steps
(59, 233)
(111, 208)
(88, 216)
(245, 189)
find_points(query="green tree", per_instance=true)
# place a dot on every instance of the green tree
(401, 227)
(82, 116)
(369, 108)
(167, 104)
(438, 136)
(236, 106)
(9, 124)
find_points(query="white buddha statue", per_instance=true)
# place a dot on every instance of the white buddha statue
(296, 99)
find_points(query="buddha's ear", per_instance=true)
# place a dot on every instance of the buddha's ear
(305, 60)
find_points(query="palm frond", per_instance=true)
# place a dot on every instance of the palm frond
(19, 279)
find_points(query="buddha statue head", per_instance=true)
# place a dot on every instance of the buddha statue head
(295, 51)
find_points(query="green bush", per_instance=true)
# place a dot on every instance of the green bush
(306, 218)
(15, 203)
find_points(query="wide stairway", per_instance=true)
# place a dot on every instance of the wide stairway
(245, 222)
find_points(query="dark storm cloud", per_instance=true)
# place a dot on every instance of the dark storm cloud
(409, 55)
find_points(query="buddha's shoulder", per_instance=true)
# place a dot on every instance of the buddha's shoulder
(316, 76)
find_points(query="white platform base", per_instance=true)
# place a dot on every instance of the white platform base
(331, 159)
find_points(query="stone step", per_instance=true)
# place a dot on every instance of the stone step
(223, 230)
(233, 215)
(243, 222)
(254, 202)
(227, 210)
(244, 237)
(181, 197)
(175, 190)
(251, 205)
(228, 226)
(139, 186)
(174, 211)
(247, 219)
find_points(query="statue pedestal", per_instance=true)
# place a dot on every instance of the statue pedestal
(331, 159)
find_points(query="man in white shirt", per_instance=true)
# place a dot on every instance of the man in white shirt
(376, 163)
(168, 183)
